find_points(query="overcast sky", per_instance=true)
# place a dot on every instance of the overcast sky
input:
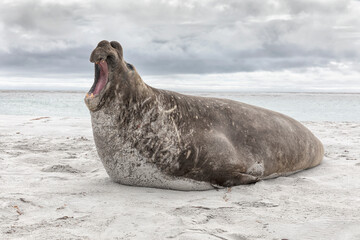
(270, 45)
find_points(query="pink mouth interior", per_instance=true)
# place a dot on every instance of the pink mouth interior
(103, 76)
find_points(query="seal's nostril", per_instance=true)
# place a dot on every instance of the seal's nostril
(118, 47)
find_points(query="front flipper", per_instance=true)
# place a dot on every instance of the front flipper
(240, 178)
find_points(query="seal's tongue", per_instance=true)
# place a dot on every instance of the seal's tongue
(103, 76)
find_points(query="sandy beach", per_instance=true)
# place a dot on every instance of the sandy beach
(53, 186)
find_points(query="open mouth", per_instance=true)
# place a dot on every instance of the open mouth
(101, 78)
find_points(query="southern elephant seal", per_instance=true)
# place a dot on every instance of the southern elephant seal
(156, 138)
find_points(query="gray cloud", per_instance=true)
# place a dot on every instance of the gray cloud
(179, 37)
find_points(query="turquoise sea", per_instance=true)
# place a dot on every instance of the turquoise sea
(336, 107)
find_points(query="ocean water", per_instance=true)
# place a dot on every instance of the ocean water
(318, 107)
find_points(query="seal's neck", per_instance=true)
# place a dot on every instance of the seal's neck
(135, 91)
(128, 98)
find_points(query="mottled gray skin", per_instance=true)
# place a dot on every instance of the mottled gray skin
(157, 138)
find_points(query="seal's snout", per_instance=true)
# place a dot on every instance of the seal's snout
(103, 43)
(111, 51)
(97, 55)
(102, 51)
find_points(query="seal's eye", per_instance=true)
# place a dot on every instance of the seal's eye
(131, 67)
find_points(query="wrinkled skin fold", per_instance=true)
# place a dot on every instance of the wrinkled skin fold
(156, 138)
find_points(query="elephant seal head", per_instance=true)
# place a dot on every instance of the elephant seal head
(111, 72)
